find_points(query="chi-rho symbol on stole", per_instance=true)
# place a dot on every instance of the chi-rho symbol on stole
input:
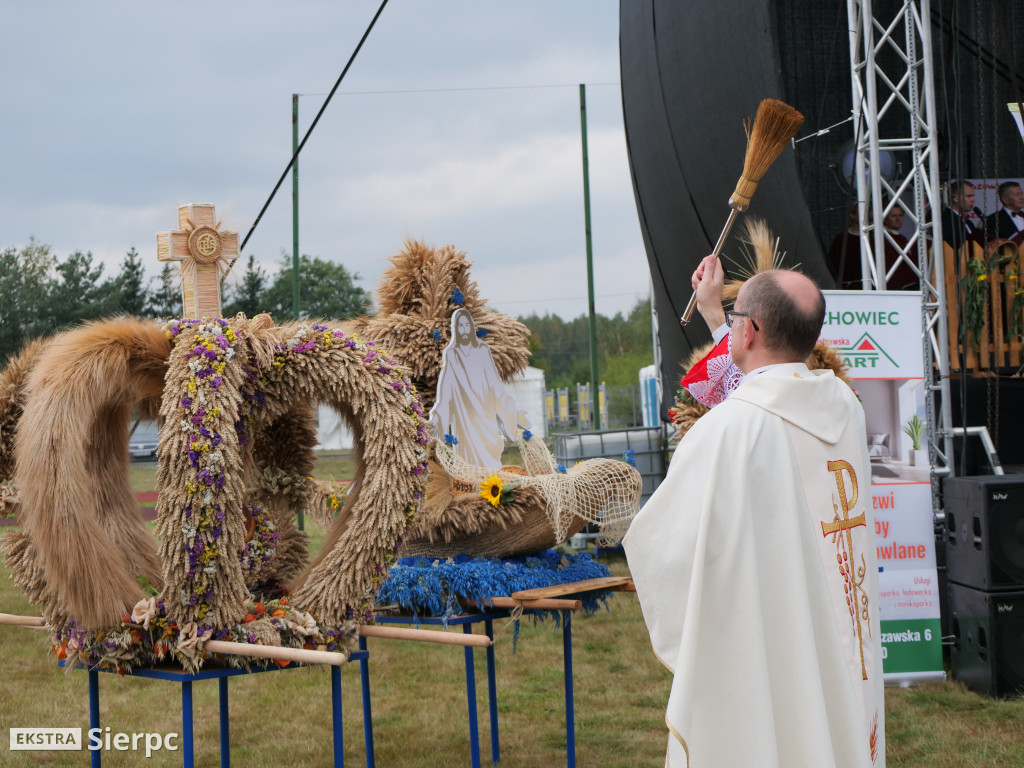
(841, 531)
(205, 253)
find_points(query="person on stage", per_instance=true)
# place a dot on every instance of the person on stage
(755, 561)
(1008, 222)
(903, 278)
(844, 253)
(957, 225)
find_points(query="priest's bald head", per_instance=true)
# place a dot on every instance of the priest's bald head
(777, 319)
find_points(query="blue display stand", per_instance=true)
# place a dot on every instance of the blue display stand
(467, 621)
(222, 674)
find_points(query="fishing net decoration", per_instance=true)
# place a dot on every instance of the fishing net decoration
(602, 491)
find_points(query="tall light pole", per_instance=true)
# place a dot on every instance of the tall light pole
(594, 409)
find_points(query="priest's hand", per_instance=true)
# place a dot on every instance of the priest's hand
(707, 282)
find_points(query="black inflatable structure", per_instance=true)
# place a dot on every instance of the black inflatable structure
(692, 72)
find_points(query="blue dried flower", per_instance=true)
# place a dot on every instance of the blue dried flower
(457, 297)
(435, 335)
(481, 333)
(450, 439)
(627, 456)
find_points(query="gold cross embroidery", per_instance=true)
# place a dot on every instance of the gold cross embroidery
(841, 529)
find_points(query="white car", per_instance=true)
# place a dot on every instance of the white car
(143, 441)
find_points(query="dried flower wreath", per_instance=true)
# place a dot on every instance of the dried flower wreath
(236, 402)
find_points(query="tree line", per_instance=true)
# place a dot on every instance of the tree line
(42, 294)
(561, 348)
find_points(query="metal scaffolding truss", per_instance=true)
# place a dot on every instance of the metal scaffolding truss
(894, 114)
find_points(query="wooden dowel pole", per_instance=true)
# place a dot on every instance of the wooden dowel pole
(426, 635)
(302, 654)
(588, 585)
(275, 652)
(544, 605)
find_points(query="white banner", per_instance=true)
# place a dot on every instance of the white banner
(879, 335)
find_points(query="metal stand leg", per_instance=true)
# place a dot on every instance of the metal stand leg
(225, 736)
(570, 714)
(187, 754)
(364, 676)
(474, 736)
(94, 713)
(492, 694)
(339, 738)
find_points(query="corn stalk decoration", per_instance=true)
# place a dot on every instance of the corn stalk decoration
(1015, 326)
(975, 286)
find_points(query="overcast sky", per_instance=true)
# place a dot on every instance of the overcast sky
(458, 124)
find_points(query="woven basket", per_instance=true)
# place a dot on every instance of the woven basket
(532, 533)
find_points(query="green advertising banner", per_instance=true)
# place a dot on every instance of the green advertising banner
(878, 335)
(910, 646)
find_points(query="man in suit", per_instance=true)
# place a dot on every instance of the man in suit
(957, 228)
(1008, 222)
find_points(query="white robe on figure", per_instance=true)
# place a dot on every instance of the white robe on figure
(471, 398)
(741, 561)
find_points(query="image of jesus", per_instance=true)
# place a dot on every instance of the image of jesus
(472, 403)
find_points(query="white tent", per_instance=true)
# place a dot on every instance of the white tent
(649, 396)
(528, 390)
(332, 433)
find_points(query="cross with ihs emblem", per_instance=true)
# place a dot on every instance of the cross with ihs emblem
(205, 253)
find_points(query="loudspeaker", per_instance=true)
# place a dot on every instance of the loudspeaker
(988, 650)
(985, 531)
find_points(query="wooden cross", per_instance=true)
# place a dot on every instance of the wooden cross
(205, 254)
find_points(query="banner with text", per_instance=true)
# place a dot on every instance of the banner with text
(878, 334)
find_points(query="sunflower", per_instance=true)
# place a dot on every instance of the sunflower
(491, 489)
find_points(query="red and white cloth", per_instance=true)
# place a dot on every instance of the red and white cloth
(713, 378)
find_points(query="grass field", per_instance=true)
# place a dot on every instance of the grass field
(283, 718)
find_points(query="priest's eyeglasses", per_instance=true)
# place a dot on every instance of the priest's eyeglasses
(731, 314)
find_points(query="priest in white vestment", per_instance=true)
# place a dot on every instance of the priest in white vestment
(472, 403)
(755, 560)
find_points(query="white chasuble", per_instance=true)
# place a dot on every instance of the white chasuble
(755, 567)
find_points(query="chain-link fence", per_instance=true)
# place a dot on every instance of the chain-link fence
(571, 409)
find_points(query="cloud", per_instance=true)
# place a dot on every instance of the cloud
(444, 129)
